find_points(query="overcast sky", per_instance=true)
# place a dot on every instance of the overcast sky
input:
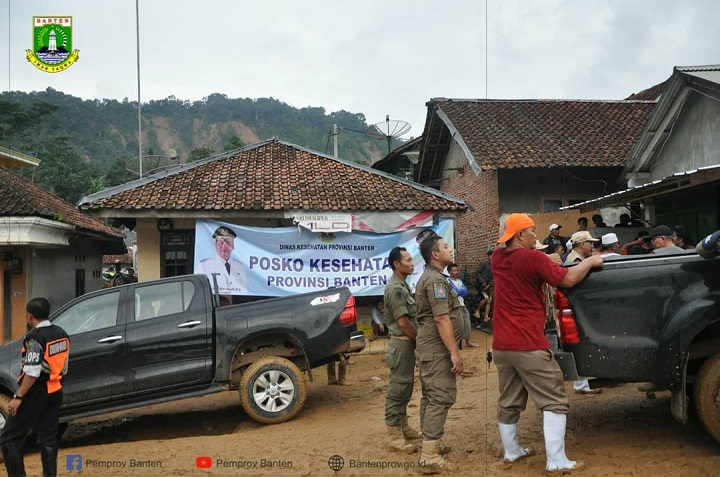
(374, 57)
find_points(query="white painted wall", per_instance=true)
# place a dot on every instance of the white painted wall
(51, 271)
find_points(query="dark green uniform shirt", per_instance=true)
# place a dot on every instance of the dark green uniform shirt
(398, 302)
(434, 296)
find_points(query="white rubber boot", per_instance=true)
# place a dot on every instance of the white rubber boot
(509, 436)
(582, 386)
(554, 429)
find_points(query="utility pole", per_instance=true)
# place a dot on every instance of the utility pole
(335, 140)
(137, 21)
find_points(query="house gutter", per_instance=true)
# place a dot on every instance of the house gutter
(33, 231)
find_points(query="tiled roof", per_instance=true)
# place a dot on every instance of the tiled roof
(533, 133)
(125, 258)
(651, 94)
(21, 198)
(271, 176)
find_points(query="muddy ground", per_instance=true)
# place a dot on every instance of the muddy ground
(620, 432)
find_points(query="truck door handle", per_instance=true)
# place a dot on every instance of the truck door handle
(189, 324)
(110, 339)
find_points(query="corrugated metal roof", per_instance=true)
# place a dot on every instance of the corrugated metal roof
(12, 158)
(674, 182)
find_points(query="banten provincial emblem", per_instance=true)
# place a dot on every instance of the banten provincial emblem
(52, 44)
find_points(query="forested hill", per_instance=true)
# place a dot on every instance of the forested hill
(104, 132)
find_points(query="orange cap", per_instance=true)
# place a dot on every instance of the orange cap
(514, 223)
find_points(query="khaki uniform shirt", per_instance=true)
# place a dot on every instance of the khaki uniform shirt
(434, 296)
(398, 302)
(572, 258)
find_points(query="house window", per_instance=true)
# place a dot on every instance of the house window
(552, 205)
(176, 252)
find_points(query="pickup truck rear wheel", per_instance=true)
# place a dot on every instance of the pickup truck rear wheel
(272, 390)
(706, 395)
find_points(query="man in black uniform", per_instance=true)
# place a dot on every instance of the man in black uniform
(36, 404)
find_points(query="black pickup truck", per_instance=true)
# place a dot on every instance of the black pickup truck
(165, 340)
(649, 319)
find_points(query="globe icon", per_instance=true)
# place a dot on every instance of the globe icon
(336, 462)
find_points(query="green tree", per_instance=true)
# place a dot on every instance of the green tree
(200, 153)
(63, 171)
(17, 121)
(232, 143)
(102, 129)
(118, 173)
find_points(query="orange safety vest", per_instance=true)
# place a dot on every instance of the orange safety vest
(56, 348)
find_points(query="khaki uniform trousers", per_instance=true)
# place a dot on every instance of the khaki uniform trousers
(439, 389)
(400, 358)
(533, 373)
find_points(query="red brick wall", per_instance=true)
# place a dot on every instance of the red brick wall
(477, 229)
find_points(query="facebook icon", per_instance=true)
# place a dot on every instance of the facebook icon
(73, 462)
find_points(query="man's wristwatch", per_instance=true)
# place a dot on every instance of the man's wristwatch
(18, 397)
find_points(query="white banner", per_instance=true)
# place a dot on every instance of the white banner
(323, 221)
(366, 221)
(289, 260)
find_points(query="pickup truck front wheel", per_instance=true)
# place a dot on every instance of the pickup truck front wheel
(272, 390)
(707, 395)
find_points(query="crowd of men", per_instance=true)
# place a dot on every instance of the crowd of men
(427, 330)
(659, 240)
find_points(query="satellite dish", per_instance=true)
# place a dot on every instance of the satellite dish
(389, 130)
(153, 163)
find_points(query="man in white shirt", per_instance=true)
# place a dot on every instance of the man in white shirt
(228, 270)
(610, 245)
